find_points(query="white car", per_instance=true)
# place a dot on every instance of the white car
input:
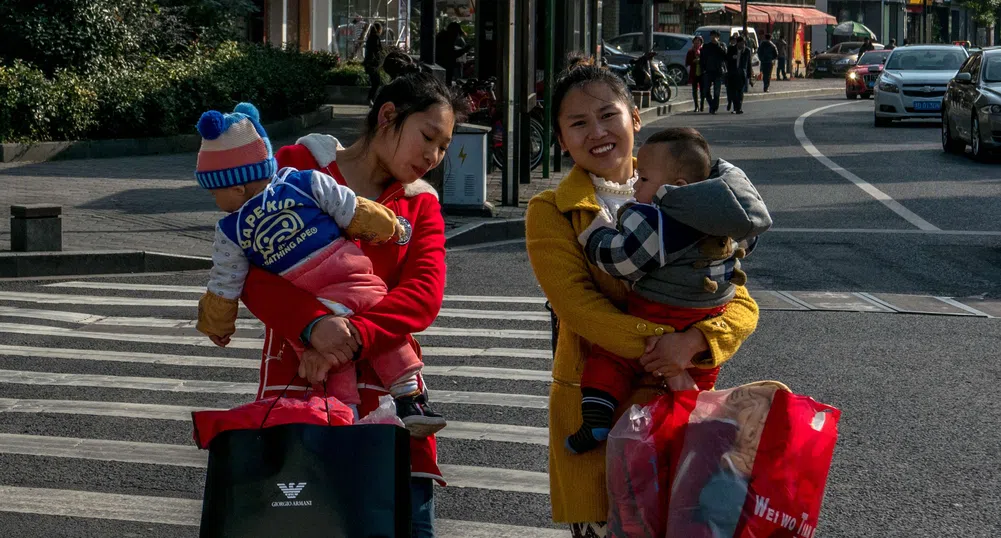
(914, 81)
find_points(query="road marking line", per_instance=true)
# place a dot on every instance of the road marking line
(491, 244)
(480, 372)
(962, 306)
(188, 512)
(18, 377)
(462, 476)
(866, 187)
(989, 233)
(475, 431)
(122, 286)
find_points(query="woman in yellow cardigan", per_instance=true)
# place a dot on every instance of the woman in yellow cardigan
(596, 123)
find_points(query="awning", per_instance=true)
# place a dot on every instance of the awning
(801, 15)
(709, 7)
(754, 13)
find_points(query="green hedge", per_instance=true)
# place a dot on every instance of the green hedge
(163, 97)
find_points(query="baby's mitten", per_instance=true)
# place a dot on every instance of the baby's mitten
(216, 315)
(372, 223)
(709, 284)
(739, 278)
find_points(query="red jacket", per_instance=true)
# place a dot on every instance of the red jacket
(413, 271)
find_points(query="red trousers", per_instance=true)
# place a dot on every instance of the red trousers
(615, 375)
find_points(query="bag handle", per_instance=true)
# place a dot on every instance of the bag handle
(326, 400)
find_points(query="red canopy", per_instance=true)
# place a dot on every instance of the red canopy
(776, 14)
(754, 13)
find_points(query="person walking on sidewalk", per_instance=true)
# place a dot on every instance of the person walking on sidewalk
(693, 61)
(373, 60)
(738, 69)
(782, 46)
(712, 60)
(596, 122)
(767, 53)
(729, 89)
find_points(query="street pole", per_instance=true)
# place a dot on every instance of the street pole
(509, 175)
(924, 21)
(648, 22)
(547, 96)
(743, 13)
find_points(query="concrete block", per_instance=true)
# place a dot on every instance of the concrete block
(36, 228)
(641, 99)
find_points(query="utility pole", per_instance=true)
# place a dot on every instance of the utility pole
(648, 22)
(547, 99)
(743, 13)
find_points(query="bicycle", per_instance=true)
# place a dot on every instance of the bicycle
(483, 104)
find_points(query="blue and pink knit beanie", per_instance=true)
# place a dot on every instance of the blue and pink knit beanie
(235, 149)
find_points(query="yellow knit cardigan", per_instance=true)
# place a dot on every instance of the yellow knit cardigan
(590, 305)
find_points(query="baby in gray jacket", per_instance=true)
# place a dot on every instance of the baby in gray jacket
(679, 245)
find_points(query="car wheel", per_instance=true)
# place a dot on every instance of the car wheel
(980, 153)
(678, 73)
(949, 144)
(881, 122)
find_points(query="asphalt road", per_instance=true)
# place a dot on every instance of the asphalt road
(918, 393)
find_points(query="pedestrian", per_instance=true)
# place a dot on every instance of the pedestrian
(406, 134)
(693, 61)
(783, 49)
(314, 250)
(767, 53)
(866, 47)
(891, 46)
(738, 69)
(447, 52)
(729, 89)
(596, 122)
(373, 60)
(675, 283)
(712, 60)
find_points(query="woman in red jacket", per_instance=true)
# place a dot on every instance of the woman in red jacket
(407, 132)
(693, 61)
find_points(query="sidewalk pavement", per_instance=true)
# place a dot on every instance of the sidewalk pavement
(152, 203)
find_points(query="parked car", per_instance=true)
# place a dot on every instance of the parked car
(971, 110)
(859, 80)
(614, 55)
(837, 60)
(914, 81)
(671, 50)
(724, 35)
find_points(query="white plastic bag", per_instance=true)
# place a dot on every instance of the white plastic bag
(384, 414)
(636, 466)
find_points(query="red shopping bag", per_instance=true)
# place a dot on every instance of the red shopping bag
(748, 462)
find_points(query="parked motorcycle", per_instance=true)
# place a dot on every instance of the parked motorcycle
(648, 76)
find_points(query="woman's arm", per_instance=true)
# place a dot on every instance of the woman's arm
(724, 334)
(560, 267)
(413, 304)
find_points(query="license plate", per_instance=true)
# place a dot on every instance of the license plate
(870, 84)
(927, 105)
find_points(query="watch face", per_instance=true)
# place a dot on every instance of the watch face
(408, 230)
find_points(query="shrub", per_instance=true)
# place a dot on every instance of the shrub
(162, 97)
(348, 74)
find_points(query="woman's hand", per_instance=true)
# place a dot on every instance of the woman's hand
(335, 336)
(671, 354)
(314, 366)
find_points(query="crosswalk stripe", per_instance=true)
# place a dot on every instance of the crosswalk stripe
(187, 512)
(189, 456)
(222, 362)
(101, 300)
(18, 377)
(474, 431)
(120, 286)
(197, 339)
(481, 372)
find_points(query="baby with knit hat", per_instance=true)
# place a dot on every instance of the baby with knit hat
(301, 225)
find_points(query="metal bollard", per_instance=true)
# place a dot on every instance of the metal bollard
(36, 228)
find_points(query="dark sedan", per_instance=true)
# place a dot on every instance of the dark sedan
(971, 110)
(837, 60)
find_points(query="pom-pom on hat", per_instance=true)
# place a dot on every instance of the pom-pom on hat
(235, 149)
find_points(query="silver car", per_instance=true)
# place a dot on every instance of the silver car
(671, 50)
(913, 82)
(971, 112)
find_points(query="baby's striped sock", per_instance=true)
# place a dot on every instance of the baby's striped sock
(597, 408)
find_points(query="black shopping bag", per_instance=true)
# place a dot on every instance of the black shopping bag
(304, 479)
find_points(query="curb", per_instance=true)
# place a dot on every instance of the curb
(485, 231)
(95, 262)
(135, 147)
(654, 113)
